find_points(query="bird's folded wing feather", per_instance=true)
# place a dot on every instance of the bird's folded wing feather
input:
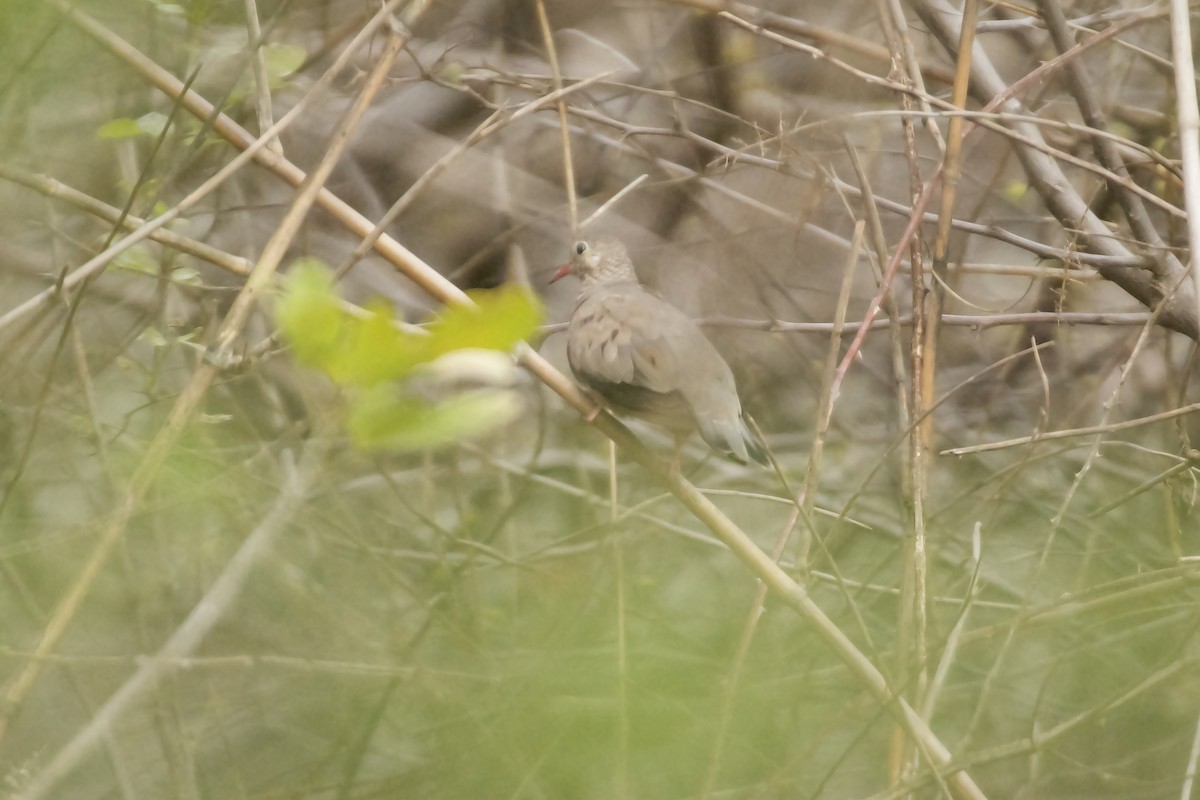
(618, 350)
(619, 338)
(646, 357)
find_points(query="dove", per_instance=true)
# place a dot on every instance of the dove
(646, 358)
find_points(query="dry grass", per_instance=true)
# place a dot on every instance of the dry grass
(974, 576)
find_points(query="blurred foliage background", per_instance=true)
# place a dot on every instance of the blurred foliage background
(238, 602)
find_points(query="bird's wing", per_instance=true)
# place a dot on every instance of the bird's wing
(617, 346)
(648, 358)
(620, 337)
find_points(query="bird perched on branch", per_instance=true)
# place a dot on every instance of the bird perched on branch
(646, 358)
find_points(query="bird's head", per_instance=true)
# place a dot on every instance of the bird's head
(602, 259)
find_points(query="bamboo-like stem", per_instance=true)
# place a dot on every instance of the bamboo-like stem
(1071, 433)
(739, 543)
(58, 190)
(564, 127)
(1155, 286)
(189, 399)
(262, 83)
(208, 611)
(1189, 130)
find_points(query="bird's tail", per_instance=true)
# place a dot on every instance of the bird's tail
(735, 439)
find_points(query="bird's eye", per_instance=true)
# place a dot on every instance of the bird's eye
(580, 248)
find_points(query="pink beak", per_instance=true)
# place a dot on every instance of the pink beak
(563, 271)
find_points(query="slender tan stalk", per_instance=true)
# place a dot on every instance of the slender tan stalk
(621, 779)
(803, 506)
(563, 125)
(1071, 433)
(262, 83)
(211, 608)
(190, 398)
(1189, 129)
(184, 244)
(739, 543)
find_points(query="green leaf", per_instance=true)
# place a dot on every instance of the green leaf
(309, 314)
(186, 276)
(451, 72)
(379, 418)
(119, 128)
(368, 350)
(137, 259)
(152, 123)
(1015, 191)
(153, 337)
(281, 61)
(500, 319)
(373, 350)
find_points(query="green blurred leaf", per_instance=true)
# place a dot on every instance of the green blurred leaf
(152, 123)
(500, 319)
(451, 71)
(1015, 191)
(373, 350)
(309, 314)
(379, 418)
(370, 349)
(137, 259)
(186, 276)
(282, 60)
(153, 337)
(120, 128)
